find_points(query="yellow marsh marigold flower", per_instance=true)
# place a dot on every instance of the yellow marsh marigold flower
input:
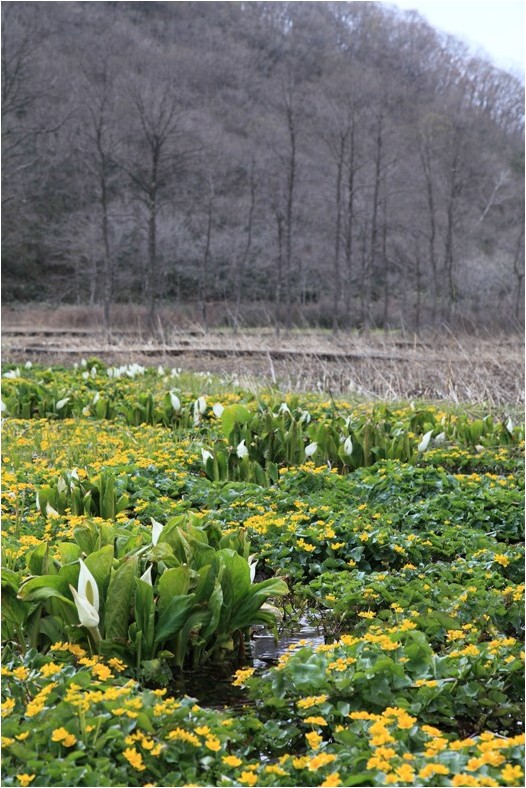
(179, 734)
(313, 739)
(275, 769)
(7, 707)
(213, 743)
(315, 721)
(248, 778)
(202, 730)
(51, 669)
(232, 760)
(430, 730)
(317, 761)
(101, 672)
(331, 781)
(134, 758)
(501, 559)
(312, 700)
(512, 774)
(242, 676)
(25, 779)
(405, 772)
(64, 737)
(430, 769)
(20, 673)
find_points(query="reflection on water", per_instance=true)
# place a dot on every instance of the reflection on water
(211, 686)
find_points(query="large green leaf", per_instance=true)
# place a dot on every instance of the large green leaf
(119, 599)
(145, 616)
(100, 563)
(231, 415)
(173, 617)
(173, 582)
(44, 587)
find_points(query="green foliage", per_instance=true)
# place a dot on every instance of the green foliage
(180, 598)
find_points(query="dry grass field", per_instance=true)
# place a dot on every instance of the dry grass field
(435, 366)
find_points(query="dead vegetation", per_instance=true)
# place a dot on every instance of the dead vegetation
(388, 366)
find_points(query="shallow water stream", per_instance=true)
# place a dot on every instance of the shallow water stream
(212, 686)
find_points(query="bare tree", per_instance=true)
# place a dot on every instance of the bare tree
(153, 160)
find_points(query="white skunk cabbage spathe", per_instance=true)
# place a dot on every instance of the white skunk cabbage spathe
(218, 409)
(175, 402)
(86, 598)
(242, 450)
(424, 443)
(311, 449)
(147, 576)
(206, 455)
(157, 529)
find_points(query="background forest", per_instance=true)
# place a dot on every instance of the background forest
(336, 164)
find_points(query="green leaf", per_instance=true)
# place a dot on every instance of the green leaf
(119, 600)
(232, 415)
(173, 582)
(173, 617)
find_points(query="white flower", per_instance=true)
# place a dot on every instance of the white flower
(311, 449)
(86, 597)
(160, 370)
(87, 585)
(157, 529)
(206, 455)
(88, 614)
(176, 402)
(305, 417)
(50, 512)
(61, 485)
(96, 397)
(252, 562)
(422, 446)
(283, 408)
(440, 439)
(509, 426)
(347, 446)
(13, 373)
(242, 450)
(218, 410)
(60, 404)
(86, 411)
(3, 406)
(147, 576)
(200, 405)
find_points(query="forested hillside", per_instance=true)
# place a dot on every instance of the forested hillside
(335, 164)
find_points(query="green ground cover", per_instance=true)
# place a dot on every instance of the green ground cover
(154, 520)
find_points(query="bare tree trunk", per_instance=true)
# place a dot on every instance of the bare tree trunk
(364, 278)
(386, 267)
(449, 248)
(350, 223)
(289, 210)
(241, 268)
(373, 250)
(336, 284)
(204, 268)
(518, 270)
(279, 278)
(151, 271)
(418, 290)
(425, 158)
